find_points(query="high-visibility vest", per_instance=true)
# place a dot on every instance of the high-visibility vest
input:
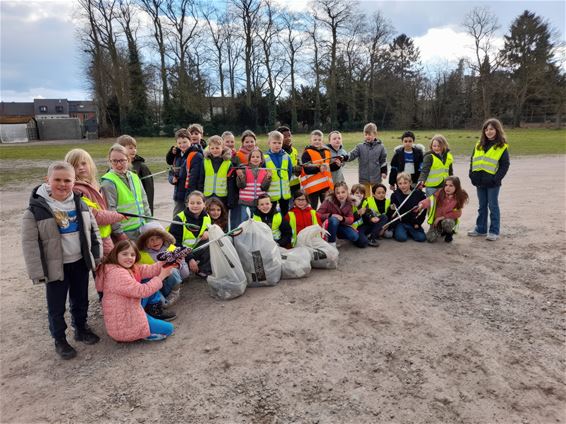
(320, 180)
(243, 157)
(275, 224)
(432, 212)
(372, 204)
(189, 239)
(105, 230)
(438, 171)
(487, 161)
(216, 183)
(357, 222)
(294, 155)
(293, 224)
(130, 200)
(253, 190)
(279, 186)
(188, 164)
(145, 258)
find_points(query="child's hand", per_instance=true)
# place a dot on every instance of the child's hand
(437, 220)
(392, 187)
(362, 211)
(166, 271)
(204, 236)
(374, 219)
(193, 266)
(122, 217)
(393, 206)
(174, 150)
(175, 179)
(338, 217)
(383, 176)
(417, 226)
(338, 161)
(240, 172)
(420, 185)
(324, 168)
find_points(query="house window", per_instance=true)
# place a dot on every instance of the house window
(58, 109)
(43, 109)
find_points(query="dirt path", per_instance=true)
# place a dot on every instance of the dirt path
(471, 332)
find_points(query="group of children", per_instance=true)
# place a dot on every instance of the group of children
(74, 225)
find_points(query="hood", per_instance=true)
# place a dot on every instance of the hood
(45, 191)
(333, 149)
(167, 238)
(138, 158)
(226, 154)
(416, 146)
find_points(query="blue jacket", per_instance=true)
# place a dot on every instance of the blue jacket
(196, 177)
(277, 159)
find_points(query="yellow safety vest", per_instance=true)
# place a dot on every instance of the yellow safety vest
(294, 155)
(279, 186)
(359, 221)
(293, 224)
(105, 230)
(275, 224)
(130, 199)
(487, 161)
(432, 213)
(372, 204)
(145, 258)
(189, 239)
(216, 183)
(438, 171)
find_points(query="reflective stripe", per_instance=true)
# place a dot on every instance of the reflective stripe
(372, 204)
(359, 221)
(432, 213)
(253, 190)
(129, 199)
(439, 171)
(294, 155)
(216, 183)
(293, 224)
(279, 186)
(275, 224)
(189, 239)
(105, 230)
(487, 161)
(312, 183)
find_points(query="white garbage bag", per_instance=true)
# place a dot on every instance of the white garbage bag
(259, 254)
(296, 262)
(228, 279)
(323, 255)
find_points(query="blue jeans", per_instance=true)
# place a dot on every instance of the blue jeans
(156, 297)
(488, 198)
(403, 231)
(157, 326)
(344, 232)
(173, 280)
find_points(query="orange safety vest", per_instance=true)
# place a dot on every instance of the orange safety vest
(320, 180)
(188, 166)
(243, 157)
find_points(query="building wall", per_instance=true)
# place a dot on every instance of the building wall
(59, 129)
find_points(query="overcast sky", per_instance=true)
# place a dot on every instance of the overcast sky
(40, 53)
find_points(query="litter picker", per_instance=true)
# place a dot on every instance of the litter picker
(168, 221)
(401, 216)
(397, 208)
(158, 173)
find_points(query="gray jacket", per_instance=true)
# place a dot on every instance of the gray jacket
(338, 175)
(372, 161)
(41, 240)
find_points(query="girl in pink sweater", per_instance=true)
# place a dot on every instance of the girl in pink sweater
(120, 278)
(444, 210)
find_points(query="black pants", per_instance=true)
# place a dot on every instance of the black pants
(283, 206)
(317, 196)
(202, 257)
(75, 283)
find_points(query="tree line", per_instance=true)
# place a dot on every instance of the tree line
(157, 65)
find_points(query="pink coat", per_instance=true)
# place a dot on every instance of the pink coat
(124, 317)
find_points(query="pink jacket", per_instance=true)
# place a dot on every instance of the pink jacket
(124, 317)
(330, 206)
(103, 216)
(446, 209)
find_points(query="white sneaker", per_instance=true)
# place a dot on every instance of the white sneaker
(492, 237)
(474, 233)
(172, 297)
(333, 243)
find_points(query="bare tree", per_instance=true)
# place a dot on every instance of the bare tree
(217, 25)
(316, 62)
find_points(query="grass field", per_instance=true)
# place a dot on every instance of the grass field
(23, 162)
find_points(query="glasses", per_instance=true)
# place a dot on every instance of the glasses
(118, 161)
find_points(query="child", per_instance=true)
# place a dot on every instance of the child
(240, 159)
(277, 160)
(61, 244)
(186, 160)
(229, 142)
(154, 240)
(366, 220)
(215, 168)
(488, 166)
(294, 182)
(337, 217)
(407, 158)
(217, 212)
(265, 213)
(87, 184)
(138, 166)
(252, 183)
(437, 165)
(410, 224)
(194, 235)
(124, 298)
(249, 142)
(124, 193)
(373, 158)
(316, 177)
(337, 151)
(301, 215)
(444, 210)
(196, 132)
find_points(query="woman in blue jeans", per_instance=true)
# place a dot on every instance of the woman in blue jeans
(337, 217)
(488, 165)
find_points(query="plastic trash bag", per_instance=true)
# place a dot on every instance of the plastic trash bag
(259, 254)
(228, 279)
(296, 263)
(323, 255)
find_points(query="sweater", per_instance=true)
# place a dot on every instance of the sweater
(331, 206)
(413, 218)
(372, 161)
(445, 209)
(124, 317)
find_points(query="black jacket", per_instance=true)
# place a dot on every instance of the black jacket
(397, 198)
(285, 227)
(485, 179)
(196, 177)
(140, 168)
(398, 164)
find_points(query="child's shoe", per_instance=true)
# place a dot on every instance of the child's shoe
(332, 243)
(448, 238)
(172, 297)
(388, 234)
(155, 337)
(373, 242)
(474, 233)
(492, 237)
(86, 336)
(64, 349)
(156, 311)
